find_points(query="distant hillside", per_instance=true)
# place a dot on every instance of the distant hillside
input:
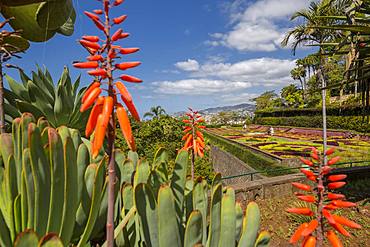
(242, 108)
(235, 108)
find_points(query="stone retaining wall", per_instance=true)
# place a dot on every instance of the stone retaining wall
(249, 188)
(266, 188)
(229, 165)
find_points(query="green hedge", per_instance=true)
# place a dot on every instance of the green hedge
(331, 111)
(356, 123)
(266, 166)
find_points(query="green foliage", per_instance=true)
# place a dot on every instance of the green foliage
(331, 111)
(265, 100)
(172, 210)
(203, 167)
(292, 96)
(356, 123)
(40, 20)
(162, 132)
(59, 104)
(226, 118)
(262, 164)
(155, 112)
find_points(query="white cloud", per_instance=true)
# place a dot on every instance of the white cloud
(258, 71)
(227, 83)
(238, 98)
(199, 86)
(273, 9)
(259, 26)
(189, 65)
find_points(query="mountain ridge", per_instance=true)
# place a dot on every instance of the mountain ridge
(228, 108)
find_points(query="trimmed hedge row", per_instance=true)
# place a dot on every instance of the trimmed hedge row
(331, 111)
(266, 166)
(355, 123)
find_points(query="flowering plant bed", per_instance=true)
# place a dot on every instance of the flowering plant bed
(288, 143)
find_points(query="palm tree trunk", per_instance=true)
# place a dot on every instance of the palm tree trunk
(2, 112)
(303, 91)
(320, 193)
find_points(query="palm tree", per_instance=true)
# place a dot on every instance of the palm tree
(307, 33)
(299, 74)
(155, 112)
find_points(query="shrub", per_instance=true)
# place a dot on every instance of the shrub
(356, 123)
(330, 111)
(163, 132)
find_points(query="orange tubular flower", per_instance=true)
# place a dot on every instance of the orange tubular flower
(90, 99)
(310, 228)
(86, 65)
(333, 161)
(334, 178)
(91, 38)
(300, 186)
(95, 112)
(103, 52)
(310, 242)
(346, 222)
(125, 125)
(103, 62)
(303, 211)
(120, 19)
(129, 78)
(125, 51)
(298, 233)
(193, 137)
(89, 90)
(99, 135)
(326, 202)
(307, 162)
(333, 239)
(127, 65)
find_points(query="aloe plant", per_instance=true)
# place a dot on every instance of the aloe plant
(58, 103)
(172, 210)
(40, 20)
(50, 184)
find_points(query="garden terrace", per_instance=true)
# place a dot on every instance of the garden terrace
(288, 144)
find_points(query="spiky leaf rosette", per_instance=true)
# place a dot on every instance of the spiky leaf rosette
(322, 195)
(58, 102)
(193, 137)
(102, 62)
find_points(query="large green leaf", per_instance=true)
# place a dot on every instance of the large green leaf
(20, 2)
(69, 26)
(53, 14)
(25, 20)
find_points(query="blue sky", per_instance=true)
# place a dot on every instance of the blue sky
(197, 53)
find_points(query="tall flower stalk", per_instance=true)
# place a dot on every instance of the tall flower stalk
(103, 91)
(325, 201)
(193, 137)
